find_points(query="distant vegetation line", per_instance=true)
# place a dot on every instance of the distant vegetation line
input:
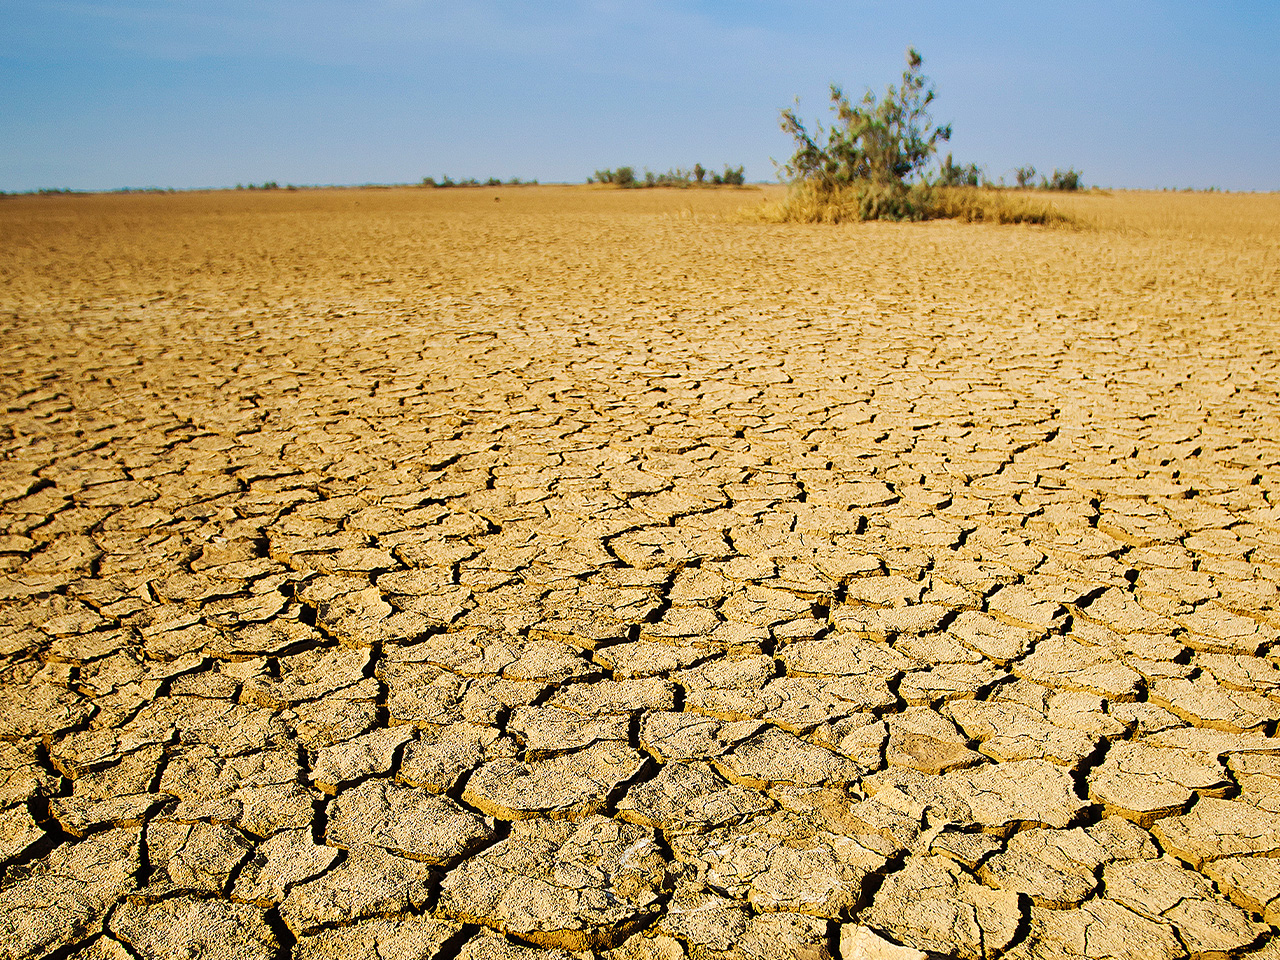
(698, 176)
(273, 185)
(473, 182)
(950, 175)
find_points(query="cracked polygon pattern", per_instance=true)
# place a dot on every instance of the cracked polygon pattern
(402, 574)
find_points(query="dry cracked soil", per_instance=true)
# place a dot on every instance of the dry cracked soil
(525, 573)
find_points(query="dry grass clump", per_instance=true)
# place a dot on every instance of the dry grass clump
(811, 202)
(980, 205)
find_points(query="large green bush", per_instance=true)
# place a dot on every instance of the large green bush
(881, 141)
(871, 164)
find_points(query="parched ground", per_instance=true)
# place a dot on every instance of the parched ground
(499, 574)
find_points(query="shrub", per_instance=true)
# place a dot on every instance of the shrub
(872, 165)
(874, 151)
(1025, 175)
(1068, 179)
(955, 175)
(884, 140)
(622, 177)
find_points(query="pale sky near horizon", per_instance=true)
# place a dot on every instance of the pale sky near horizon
(100, 94)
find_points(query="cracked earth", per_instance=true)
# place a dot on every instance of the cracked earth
(405, 574)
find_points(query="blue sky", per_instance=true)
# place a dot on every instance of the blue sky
(188, 93)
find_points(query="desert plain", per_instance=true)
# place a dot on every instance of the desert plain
(525, 573)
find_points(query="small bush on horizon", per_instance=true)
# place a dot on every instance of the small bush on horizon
(957, 175)
(732, 177)
(1069, 179)
(622, 177)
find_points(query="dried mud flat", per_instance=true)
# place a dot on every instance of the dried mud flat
(406, 574)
